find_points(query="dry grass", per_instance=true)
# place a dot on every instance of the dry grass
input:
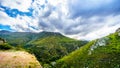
(18, 59)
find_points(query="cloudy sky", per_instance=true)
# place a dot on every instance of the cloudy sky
(79, 19)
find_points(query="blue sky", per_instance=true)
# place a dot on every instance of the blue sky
(14, 12)
(79, 19)
(5, 27)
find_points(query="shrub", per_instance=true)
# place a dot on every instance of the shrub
(5, 47)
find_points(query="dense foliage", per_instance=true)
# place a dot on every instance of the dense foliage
(5, 46)
(52, 48)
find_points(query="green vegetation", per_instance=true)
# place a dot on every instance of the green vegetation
(17, 38)
(46, 46)
(52, 48)
(5, 46)
(100, 53)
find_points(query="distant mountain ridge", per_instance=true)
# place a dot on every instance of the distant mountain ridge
(22, 38)
(4, 31)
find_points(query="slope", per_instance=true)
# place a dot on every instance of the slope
(53, 47)
(100, 53)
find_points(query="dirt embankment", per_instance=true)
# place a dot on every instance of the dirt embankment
(18, 59)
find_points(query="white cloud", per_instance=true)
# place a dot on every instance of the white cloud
(109, 25)
(21, 5)
(20, 23)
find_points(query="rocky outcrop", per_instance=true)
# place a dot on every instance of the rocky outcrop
(118, 30)
(99, 42)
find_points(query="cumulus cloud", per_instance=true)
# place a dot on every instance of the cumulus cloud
(22, 5)
(79, 19)
(98, 29)
(20, 23)
(88, 8)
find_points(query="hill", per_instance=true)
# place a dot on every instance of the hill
(18, 59)
(46, 46)
(53, 47)
(100, 53)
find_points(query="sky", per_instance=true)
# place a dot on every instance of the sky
(78, 19)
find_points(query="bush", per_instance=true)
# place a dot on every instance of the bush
(5, 47)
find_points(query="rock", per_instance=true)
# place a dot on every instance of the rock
(118, 30)
(99, 42)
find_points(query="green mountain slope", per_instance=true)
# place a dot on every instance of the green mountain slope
(46, 46)
(53, 47)
(100, 53)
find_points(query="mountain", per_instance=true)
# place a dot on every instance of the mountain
(100, 53)
(20, 38)
(17, 38)
(4, 31)
(46, 46)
